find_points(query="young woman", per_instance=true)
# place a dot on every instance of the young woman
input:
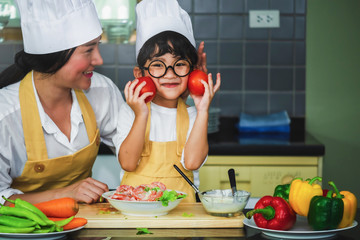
(157, 135)
(54, 108)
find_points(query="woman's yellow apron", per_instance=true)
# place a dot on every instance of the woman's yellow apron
(158, 158)
(41, 173)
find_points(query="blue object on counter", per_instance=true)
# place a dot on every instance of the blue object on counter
(264, 138)
(275, 122)
(270, 129)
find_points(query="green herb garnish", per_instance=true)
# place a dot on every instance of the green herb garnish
(170, 196)
(142, 231)
(187, 214)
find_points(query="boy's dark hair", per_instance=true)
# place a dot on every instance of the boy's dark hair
(25, 62)
(167, 42)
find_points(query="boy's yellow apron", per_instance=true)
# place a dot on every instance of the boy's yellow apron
(158, 158)
(41, 173)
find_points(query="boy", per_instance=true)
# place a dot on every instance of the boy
(157, 135)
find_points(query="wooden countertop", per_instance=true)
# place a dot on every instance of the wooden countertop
(185, 215)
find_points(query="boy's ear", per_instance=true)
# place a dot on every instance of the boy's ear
(137, 72)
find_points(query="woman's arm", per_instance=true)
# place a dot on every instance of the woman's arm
(88, 190)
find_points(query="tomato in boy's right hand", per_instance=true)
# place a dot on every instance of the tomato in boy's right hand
(194, 82)
(149, 87)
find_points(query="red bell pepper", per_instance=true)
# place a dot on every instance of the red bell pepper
(273, 213)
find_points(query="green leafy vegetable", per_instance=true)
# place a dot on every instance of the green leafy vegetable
(170, 196)
(187, 214)
(142, 231)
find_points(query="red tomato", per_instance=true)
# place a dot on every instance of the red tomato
(149, 87)
(121, 196)
(140, 194)
(194, 84)
(125, 189)
(154, 195)
(159, 185)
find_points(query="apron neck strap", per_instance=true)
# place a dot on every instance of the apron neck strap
(33, 132)
(182, 127)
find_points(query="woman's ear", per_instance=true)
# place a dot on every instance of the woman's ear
(137, 72)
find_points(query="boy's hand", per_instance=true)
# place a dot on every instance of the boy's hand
(202, 103)
(133, 98)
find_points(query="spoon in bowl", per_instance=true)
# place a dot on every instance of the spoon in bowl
(191, 183)
(187, 179)
(231, 173)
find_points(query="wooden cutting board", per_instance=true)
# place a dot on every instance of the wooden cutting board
(185, 215)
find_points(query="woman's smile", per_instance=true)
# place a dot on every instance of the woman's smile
(88, 74)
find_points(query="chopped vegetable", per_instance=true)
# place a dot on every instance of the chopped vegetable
(156, 191)
(170, 196)
(187, 214)
(142, 231)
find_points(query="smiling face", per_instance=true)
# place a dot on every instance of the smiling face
(170, 86)
(77, 72)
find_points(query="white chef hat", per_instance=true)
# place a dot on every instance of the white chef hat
(156, 16)
(55, 25)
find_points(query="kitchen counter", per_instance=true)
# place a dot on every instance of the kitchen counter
(228, 142)
(190, 233)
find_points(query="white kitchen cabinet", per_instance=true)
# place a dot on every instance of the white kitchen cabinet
(257, 174)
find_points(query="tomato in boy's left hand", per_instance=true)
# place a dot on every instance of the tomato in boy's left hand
(194, 82)
(149, 87)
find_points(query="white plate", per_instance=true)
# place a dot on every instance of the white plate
(301, 230)
(141, 208)
(47, 236)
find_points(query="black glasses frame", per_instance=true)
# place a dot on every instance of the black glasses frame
(167, 67)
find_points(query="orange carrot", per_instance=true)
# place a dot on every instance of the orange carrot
(61, 207)
(75, 223)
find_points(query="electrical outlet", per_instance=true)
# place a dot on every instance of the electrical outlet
(264, 18)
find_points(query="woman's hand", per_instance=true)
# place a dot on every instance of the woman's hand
(133, 98)
(201, 64)
(202, 103)
(88, 190)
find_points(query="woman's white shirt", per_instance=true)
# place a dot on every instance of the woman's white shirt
(162, 128)
(105, 99)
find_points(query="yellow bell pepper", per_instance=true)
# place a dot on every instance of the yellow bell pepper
(301, 193)
(350, 207)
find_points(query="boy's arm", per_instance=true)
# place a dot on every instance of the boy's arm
(131, 149)
(197, 147)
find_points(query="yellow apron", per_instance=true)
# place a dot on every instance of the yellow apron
(158, 158)
(41, 173)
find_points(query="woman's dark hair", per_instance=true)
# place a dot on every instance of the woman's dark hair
(25, 62)
(167, 42)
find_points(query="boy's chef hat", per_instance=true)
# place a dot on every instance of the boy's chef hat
(156, 16)
(54, 25)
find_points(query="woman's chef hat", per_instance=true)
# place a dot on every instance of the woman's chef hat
(54, 25)
(156, 16)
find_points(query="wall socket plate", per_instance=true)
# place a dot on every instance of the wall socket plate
(264, 18)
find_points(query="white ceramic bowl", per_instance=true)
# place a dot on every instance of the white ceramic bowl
(222, 203)
(141, 208)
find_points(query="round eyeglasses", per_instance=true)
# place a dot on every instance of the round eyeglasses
(158, 68)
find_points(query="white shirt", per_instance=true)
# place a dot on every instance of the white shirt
(162, 128)
(105, 99)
